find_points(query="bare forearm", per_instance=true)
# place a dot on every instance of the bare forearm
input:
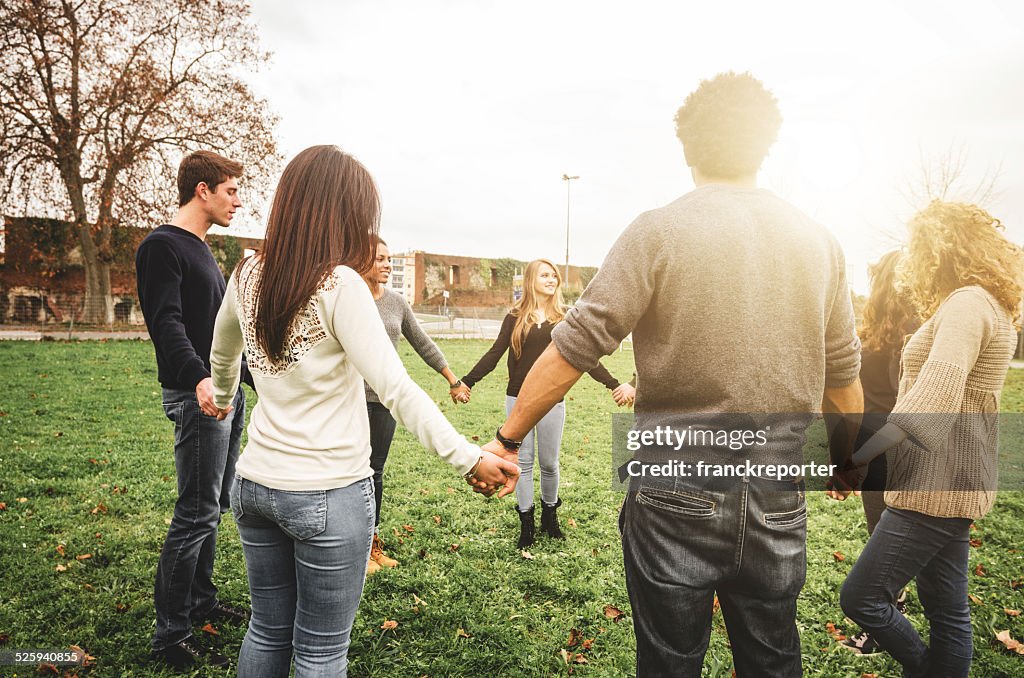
(843, 408)
(549, 380)
(888, 436)
(449, 376)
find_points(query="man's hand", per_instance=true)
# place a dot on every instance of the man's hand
(460, 393)
(844, 483)
(624, 394)
(494, 474)
(204, 396)
(494, 447)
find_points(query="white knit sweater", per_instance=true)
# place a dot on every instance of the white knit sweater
(309, 430)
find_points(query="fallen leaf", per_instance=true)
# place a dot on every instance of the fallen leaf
(593, 552)
(450, 490)
(475, 438)
(61, 568)
(973, 527)
(84, 556)
(60, 549)
(715, 605)
(975, 543)
(1016, 584)
(461, 633)
(869, 675)
(613, 613)
(571, 523)
(1012, 613)
(579, 659)
(165, 478)
(4, 637)
(167, 521)
(85, 659)
(526, 554)
(836, 634)
(454, 547)
(437, 519)
(395, 530)
(1009, 643)
(565, 655)
(3, 506)
(574, 638)
(587, 644)
(979, 570)
(409, 528)
(212, 631)
(418, 601)
(838, 556)
(423, 553)
(47, 668)
(389, 625)
(121, 608)
(101, 508)
(22, 500)
(975, 599)
(87, 587)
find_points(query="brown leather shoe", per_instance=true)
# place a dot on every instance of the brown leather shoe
(377, 553)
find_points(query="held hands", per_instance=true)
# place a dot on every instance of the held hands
(845, 482)
(460, 393)
(204, 396)
(624, 394)
(494, 474)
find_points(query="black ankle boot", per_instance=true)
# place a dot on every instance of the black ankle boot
(526, 528)
(549, 520)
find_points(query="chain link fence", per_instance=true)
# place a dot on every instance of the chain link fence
(37, 313)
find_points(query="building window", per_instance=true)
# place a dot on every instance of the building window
(453, 275)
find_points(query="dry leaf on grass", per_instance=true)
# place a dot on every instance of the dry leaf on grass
(975, 543)
(839, 557)
(975, 599)
(437, 519)
(85, 659)
(461, 633)
(572, 523)
(208, 628)
(527, 555)
(587, 644)
(1009, 643)
(389, 625)
(84, 556)
(574, 638)
(613, 613)
(836, 634)
(1012, 613)
(979, 570)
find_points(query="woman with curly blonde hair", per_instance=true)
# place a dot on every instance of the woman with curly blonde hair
(965, 277)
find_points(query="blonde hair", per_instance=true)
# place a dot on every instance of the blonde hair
(524, 309)
(953, 245)
(888, 311)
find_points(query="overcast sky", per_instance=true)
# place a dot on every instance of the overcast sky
(467, 113)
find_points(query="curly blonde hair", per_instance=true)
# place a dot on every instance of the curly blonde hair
(954, 245)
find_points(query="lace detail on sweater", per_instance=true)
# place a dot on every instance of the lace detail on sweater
(305, 333)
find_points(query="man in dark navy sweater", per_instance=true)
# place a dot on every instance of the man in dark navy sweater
(180, 290)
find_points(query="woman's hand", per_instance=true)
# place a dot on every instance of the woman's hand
(494, 474)
(624, 394)
(846, 482)
(460, 393)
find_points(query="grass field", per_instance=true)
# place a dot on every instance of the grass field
(87, 487)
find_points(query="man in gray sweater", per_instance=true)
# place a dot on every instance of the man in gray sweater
(742, 322)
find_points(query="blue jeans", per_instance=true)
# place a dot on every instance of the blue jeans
(908, 545)
(306, 554)
(205, 451)
(685, 540)
(382, 431)
(547, 435)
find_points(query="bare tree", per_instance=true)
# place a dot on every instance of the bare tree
(100, 98)
(944, 177)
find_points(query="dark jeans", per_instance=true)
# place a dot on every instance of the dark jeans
(382, 431)
(683, 541)
(205, 451)
(908, 545)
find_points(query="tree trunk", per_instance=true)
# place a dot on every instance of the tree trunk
(98, 306)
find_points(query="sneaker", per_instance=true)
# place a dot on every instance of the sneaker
(861, 644)
(221, 613)
(377, 553)
(184, 654)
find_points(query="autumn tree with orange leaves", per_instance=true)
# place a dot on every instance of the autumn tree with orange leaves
(99, 100)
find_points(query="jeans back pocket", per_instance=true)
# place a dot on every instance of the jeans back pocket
(300, 514)
(689, 504)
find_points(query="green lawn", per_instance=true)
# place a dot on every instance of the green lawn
(86, 477)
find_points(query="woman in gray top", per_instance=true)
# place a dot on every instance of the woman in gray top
(398, 320)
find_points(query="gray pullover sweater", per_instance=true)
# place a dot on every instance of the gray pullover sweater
(399, 320)
(738, 303)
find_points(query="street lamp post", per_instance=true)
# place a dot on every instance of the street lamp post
(568, 183)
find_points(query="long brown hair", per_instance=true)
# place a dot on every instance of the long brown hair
(889, 314)
(326, 213)
(529, 302)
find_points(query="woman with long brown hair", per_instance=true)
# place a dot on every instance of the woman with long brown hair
(525, 333)
(303, 496)
(965, 277)
(889, 317)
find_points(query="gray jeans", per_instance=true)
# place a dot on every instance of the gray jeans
(548, 438)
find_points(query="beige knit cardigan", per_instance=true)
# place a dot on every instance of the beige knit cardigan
(952, 375)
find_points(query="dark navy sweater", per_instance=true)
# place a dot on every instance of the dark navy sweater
(180, 290)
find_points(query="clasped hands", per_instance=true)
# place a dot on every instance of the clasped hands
(460, 393)
(496, 472)
(204, 396)
(846, 481)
